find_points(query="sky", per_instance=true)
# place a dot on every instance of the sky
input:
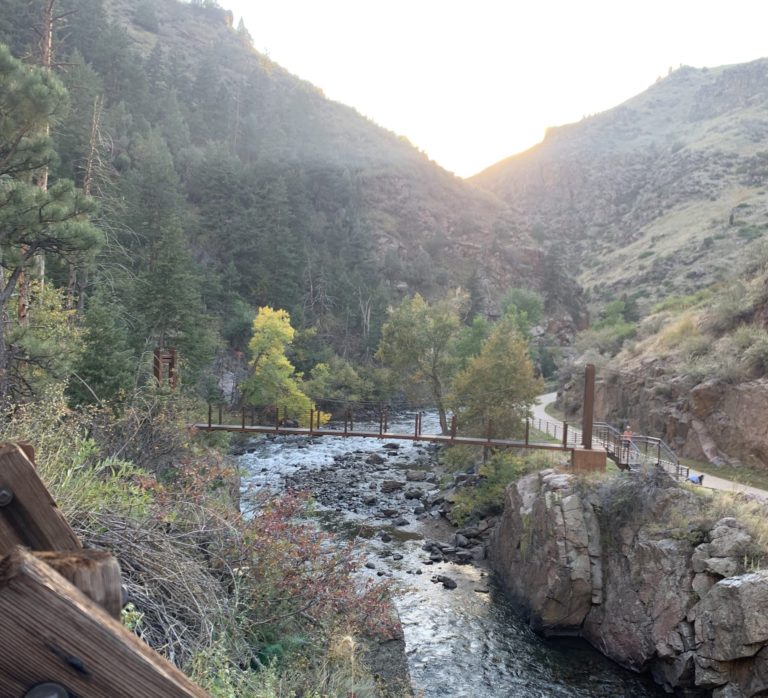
(471, 82)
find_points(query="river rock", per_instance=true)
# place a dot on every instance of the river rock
(389, 486)
(375, 459)
(416, 476)
(414, 493)
(461, 541)
(446, 581)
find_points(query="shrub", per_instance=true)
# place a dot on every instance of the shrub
(487, 497)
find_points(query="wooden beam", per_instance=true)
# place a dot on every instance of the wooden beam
(28, 514)
(94, 572)
(54, 633)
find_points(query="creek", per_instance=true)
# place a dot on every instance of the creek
(463, 642)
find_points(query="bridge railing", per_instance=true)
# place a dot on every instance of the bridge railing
(638, 451)
(631, 453)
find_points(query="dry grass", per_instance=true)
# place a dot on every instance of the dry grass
(182, 595)
(747, 509)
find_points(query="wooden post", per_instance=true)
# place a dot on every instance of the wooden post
(95, 572)
(28, 514)
(565, 434)
(527, 430)
(55, 634)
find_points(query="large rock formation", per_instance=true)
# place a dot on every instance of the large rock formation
(634, 565)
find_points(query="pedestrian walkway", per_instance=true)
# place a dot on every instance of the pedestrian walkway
(710, 481)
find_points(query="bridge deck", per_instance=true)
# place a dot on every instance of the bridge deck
(390, 436)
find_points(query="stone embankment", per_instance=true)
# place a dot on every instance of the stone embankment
(636, 566)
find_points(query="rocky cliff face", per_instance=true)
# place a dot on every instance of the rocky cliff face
(635, 566)
(714, 420)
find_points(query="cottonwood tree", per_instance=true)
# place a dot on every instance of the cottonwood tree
(274, 380)
(418, 342)
(33, 220)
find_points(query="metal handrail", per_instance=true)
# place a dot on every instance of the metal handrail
(640, 450)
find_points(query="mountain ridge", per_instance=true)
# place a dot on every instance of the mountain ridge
(630, 193)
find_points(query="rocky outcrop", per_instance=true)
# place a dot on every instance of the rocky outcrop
(635, 566)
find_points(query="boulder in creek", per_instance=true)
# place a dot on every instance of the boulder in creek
(414, 493)
(389, 486)
(447, 582)
(416, 476)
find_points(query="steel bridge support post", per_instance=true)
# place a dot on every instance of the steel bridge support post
(588, 410)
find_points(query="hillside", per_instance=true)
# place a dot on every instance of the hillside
(660, 195)
(416, 226)
(281, 196)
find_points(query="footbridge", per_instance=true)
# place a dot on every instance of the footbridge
(587, 448)
(247, 421)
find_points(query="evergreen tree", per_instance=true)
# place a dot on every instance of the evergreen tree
(168, 306)
(106, 368)
(33, 220)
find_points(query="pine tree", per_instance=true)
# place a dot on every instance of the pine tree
(32, 220)
(106, 368)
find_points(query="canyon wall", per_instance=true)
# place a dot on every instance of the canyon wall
(636, 565)
(713, 421)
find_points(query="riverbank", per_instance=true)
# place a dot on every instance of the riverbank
(461, 636)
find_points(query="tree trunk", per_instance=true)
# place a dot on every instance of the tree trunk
(437, 394)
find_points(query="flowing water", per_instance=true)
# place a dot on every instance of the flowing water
(465, 642)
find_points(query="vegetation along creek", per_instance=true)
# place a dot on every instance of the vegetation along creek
(463, 641)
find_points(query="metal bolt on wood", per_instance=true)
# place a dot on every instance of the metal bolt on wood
(47, 690)
(6, 496)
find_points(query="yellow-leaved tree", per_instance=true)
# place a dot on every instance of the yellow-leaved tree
(274, 380)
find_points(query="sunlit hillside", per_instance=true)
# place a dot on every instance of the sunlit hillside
(660, 195)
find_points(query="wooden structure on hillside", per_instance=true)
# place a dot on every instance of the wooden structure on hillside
(164, 366)
(60, 605)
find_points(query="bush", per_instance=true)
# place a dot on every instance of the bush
(487, 497)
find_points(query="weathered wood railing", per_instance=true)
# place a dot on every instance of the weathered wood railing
(60, 605)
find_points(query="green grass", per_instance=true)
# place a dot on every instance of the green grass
(554, 411)
(743, 475)
(536, 436)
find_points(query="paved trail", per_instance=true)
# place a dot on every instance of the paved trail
(711, 481)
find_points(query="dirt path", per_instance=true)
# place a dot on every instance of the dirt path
(710, 481)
